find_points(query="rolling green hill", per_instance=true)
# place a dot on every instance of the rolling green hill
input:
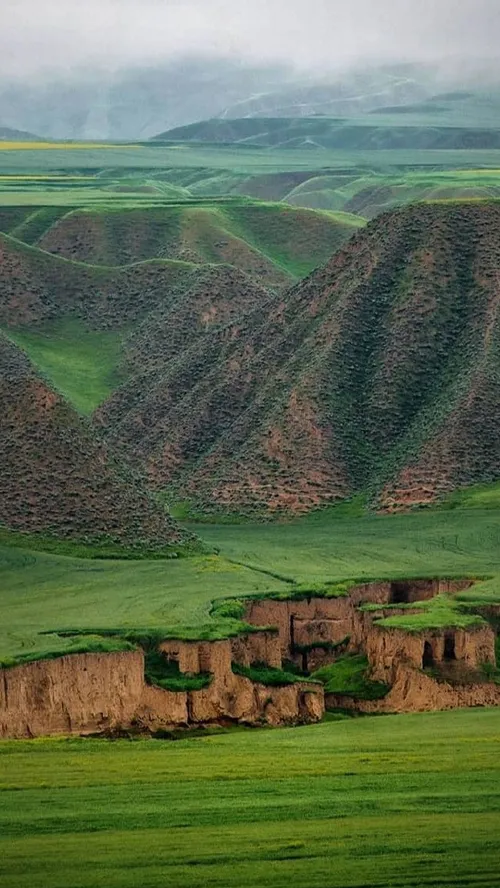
(271, 242)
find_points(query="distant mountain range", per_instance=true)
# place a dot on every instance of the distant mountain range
(139, 103)
(7, 134)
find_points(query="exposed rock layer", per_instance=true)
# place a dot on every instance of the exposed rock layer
(93, 693)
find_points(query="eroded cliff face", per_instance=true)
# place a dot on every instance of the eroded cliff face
(468, 649)
(414, 691)
(93, 693)
(79, 694)
(311, 633)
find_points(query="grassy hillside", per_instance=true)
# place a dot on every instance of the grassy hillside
(81, 363)
(378, 372)
(77, 321)
(58, 478)
(313, 805)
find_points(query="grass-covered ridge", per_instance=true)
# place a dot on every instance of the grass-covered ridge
(89, 644)
(272, 241)
(441, 612)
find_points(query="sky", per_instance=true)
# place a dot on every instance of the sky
(311, 34)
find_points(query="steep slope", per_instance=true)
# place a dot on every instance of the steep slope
(57, 477)
(271, 242)
(381, 371)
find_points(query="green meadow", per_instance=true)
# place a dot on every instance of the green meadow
(80, 363)
(405, 801)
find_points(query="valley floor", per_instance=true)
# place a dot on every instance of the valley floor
(395, 800)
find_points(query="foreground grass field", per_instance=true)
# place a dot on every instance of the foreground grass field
(399, 800)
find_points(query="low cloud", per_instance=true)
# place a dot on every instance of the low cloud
(316, 34)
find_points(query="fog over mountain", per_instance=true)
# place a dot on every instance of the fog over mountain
(124, 69)
(317, 33)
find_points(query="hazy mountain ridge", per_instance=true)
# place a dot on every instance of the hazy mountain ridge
(138, 103)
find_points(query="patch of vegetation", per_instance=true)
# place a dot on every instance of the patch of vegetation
(165, 673)
(95, 548)
(441, 612)
(349, 677)
(327, 646)
(228, 609)
(479, 496)
(266, 675)
(80, 363)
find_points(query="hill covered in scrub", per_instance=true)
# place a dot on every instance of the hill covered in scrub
(58, 478)
(274, 243)
(38, 288)
(75, 319)
(379, 372)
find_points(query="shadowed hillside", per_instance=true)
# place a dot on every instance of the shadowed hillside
(56, 477)
(379, 372)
